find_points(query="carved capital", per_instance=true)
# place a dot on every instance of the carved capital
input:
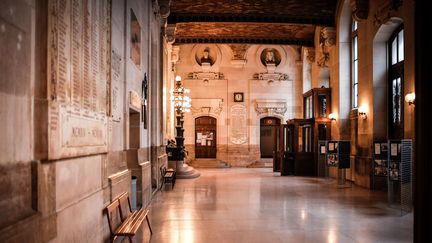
(310, 54)
(360, 9)
(170, 33)
(328, 36)
(175, 54)
(164, 8)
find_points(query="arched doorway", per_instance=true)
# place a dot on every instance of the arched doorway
(205, 137)
(268, 129)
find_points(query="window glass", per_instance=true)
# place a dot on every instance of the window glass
(400, 46)
(394, 51)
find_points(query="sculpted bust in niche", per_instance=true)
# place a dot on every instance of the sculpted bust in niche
(206, 57)
(270, 57)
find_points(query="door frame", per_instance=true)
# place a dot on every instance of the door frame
(214, 137)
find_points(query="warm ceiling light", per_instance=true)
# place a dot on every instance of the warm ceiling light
(178, 78)
(410, 98)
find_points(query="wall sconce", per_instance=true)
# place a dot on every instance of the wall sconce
(410, 98)
(332, 116)
(362, 112)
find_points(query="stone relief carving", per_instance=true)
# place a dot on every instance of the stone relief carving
(271, 107)
(360, 9)
(206, 56)
(327, 40)
(206, 75)
(207, 107)
(238, 128)
(386, 11)
(239, 51)
(310, 54)
(170, 33)
(270, 58)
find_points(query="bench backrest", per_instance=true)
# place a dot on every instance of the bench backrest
(113, 215)
(124, 205)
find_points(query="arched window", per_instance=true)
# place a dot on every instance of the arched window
(354, 65)
(396, 74)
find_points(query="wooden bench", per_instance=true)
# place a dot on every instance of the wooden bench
(122, 221)
(168, 176)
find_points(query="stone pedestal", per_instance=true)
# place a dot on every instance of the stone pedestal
(183, 170)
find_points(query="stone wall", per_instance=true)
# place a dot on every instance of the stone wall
(72, 139)
(374, 31)
(268, 91)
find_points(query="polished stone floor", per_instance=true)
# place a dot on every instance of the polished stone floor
(257, 205)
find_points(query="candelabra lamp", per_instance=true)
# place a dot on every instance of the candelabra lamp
(181, 104)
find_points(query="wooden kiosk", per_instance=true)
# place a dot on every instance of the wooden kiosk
(300, 136)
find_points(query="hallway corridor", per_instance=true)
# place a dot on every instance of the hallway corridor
(257, 205)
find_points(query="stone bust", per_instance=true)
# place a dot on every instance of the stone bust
(270, 57)
(206, 57)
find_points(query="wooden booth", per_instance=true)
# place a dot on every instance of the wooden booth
(298, 144)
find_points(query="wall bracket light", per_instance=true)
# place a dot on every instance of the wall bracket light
(410, 98)
(362, 112)
(332, 116)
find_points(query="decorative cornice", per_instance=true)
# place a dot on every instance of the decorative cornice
(302, 42)
(206, 75)
(271, 107)
(271, 76)
(181, 18)
(207, 106)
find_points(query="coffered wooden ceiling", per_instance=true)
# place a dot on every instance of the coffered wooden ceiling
(250, 21)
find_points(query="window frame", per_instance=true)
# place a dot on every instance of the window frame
(396, 71)
(354, 64)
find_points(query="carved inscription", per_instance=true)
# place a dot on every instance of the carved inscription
(238, 128)
(116, 71)
(79, 35)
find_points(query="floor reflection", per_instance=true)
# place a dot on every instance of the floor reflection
(257, 205)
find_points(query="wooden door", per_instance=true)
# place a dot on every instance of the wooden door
(276, 148)
(205, 137)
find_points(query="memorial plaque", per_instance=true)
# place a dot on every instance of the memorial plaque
(238, 128)
(79, 75)
(116, 74)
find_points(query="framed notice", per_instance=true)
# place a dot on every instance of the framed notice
(377, 148)
(393, 149)
(322, 149)
(331, 147)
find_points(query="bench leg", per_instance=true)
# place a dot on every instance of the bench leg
(148, 223)
(130, 239)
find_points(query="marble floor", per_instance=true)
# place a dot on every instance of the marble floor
(257, 205)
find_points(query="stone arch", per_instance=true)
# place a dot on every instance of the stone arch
(380, 70)
(341, 89)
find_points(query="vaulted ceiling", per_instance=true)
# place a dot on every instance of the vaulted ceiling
(250, 21)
